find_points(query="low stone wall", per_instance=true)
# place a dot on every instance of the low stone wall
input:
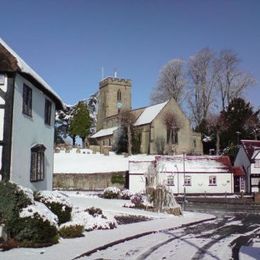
(81, 181)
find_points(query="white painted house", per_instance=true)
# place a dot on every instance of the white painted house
(190, 174)
(27, 113)
(248, 158)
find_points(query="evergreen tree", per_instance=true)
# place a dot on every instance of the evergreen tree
(240, 121)
(81, 122)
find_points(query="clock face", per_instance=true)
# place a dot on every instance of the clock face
(119, 105)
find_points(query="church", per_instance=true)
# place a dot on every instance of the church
(161, 129)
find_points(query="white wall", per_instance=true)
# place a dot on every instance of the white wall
(27, 132)
(200, 182)
(136, 183)
(242, 160)
(2, 102)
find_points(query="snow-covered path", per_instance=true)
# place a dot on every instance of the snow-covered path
(215, 239)
(71, 248)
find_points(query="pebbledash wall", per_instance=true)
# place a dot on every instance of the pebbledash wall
(91, 182)
(29, 131)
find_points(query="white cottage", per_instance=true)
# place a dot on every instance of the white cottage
(27, 113)
(248, 157)
(189, 174)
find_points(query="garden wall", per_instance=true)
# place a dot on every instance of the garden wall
(96, 181)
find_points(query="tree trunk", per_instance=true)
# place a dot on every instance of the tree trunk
(73, 140)
(129, 140)
(217, 142)
(83, 142)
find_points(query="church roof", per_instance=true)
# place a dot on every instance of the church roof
(104, 132)
(23, 67)
(149, 114)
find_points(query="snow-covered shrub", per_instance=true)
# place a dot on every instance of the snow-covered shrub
(94, 211)
(126, 194)
(137, 199)
(39, 225)
(71, 230)
(28, 222)
(111, 193)
(91, 222)
(57, 203)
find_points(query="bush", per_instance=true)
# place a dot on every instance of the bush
(93, 218)
(57, 203)
(27, 222)
(126, 194)
(111, 193)
(94, 211)
(71, 230)
(137, 200)
(117, 178)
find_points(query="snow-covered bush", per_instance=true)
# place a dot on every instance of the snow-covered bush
(94, 211)
(93, 219)
(137, 199)
(71, 230)
(111, 193)
(126, 194)
(28, 222)
(57, 203)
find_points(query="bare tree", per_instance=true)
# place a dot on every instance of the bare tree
(171, 82)
(231, 80)
(202, 84)
(127, 119)
(216, 123)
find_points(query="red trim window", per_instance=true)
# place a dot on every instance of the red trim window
(212, 181)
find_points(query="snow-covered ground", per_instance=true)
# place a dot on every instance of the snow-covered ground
(70, 248)
(86, 162)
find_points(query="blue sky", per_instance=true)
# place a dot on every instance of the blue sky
(68, 42)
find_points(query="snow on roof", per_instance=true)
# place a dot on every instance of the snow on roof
(149, 114)
(195, 164)
(25, 68)
(104, 132)
(191, 164)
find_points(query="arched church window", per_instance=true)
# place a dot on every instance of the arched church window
(119, 96)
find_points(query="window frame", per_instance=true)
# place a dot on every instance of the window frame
(47, 112)
(37, 170)
(172, 135)
(187, 180)
(211, 182)
(119, 96)
(257, 163)
(170, 180)
(27, 100)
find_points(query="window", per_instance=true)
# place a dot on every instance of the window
(47, 115)
(212, 181)
(172, 136)
(37, 163)
(119, 96)
(170, 180)
(27, 100)
(257, 163)
(187, 180)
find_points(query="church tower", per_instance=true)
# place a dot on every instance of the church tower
(114, 95)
